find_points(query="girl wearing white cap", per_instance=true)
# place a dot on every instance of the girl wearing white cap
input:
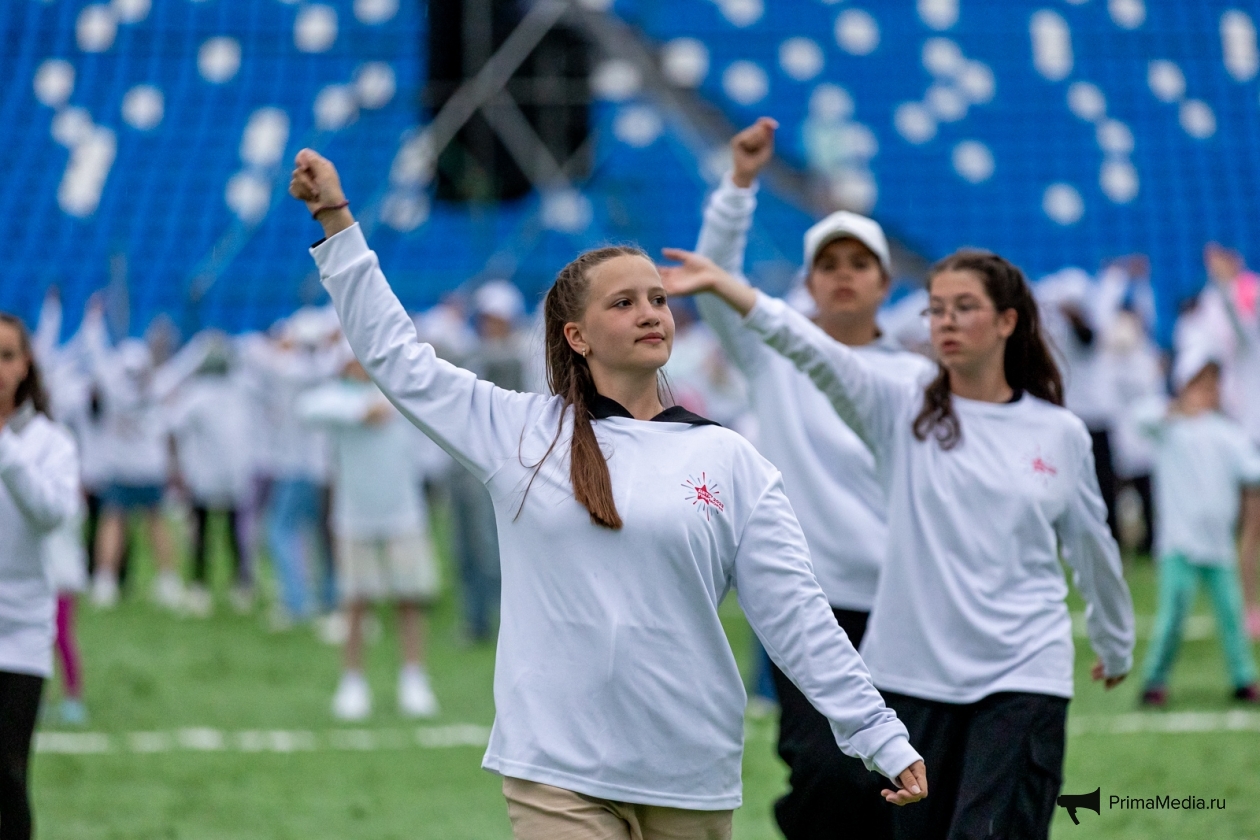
(39, 490)
(619, 709)
(828, 473)
(990, 481)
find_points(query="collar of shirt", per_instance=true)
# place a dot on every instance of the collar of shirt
(604, 407)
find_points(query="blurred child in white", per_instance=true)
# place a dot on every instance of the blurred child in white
(380, 522)
(136, 443)
(1202, 460)
(1236, 290)
(302, 355)
(64, 556)
(210, 423)
(39, 491)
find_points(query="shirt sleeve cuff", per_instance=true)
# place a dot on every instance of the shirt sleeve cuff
(895, 756)
(766, 312)
(1117, 666)
(339, 251)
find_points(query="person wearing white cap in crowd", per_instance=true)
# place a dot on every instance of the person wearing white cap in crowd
(39, 491)
(618, 706)
(498, 356)
(991, 487)
(828, 473)
(380, 522)
(1203, 459)
(305, 353)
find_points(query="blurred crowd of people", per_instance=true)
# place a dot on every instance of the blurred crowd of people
(282, 437)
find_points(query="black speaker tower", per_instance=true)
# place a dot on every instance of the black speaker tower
(550, 87)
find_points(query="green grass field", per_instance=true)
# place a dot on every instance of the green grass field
(217, 728)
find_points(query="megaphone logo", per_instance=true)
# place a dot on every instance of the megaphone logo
(1072, 801)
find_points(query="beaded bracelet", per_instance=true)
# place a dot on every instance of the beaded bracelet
(315, 213)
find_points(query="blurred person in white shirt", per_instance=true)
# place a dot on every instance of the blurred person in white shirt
(211, 427)
(39, 492)
(380, 521)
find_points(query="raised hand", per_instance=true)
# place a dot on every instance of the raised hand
(315, 182)
(751, 150)
(912, 785)
(701, 274)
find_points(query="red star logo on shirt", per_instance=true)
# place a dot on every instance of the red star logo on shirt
(704, 495)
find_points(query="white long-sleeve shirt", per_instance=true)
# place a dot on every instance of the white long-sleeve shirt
(971, 600)
(377, 471)
(211, 420)
(39, 490)
(1201, 463)
(295, 449)
(829, 474)
(613, 676)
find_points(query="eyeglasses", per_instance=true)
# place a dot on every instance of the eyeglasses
(962, 311)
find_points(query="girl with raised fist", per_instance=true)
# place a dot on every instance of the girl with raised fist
(623, 524)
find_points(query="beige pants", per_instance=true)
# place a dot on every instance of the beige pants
(543, 812)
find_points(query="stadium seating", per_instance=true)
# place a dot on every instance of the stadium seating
(1058, 133)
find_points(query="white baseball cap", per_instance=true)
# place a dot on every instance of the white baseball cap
(500, 299)
(843, 224)
(1191, 361)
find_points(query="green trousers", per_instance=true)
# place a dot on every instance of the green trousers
(1178, 584)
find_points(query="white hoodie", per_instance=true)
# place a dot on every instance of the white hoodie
(614, 677)
(971, 601)
(39, 490)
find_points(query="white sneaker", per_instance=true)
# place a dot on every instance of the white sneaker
(415, 695)
(197, 601)
(353, 700)
(104, 591)
(168, 591)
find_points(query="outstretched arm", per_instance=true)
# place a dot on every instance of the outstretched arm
(787, 609)
(1091, 551)
(870, 403)
(479, 424)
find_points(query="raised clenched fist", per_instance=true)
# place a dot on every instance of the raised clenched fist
(751, 150)
(315, 182)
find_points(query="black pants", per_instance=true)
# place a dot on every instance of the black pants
(831, 795)
(1142, 484)
(994, 767)
(19, 705)
(1105, 468)
(201, 514)
(89, 536)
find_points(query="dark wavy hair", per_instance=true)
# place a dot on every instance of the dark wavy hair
(1027, 361)
(32, 387)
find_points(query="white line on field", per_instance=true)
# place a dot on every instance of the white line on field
(1164, 722)
(206, 739)
(1195, 629)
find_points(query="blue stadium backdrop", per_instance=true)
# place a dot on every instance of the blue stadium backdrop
(151, 141)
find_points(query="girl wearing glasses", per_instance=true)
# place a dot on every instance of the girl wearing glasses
(990, 482)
